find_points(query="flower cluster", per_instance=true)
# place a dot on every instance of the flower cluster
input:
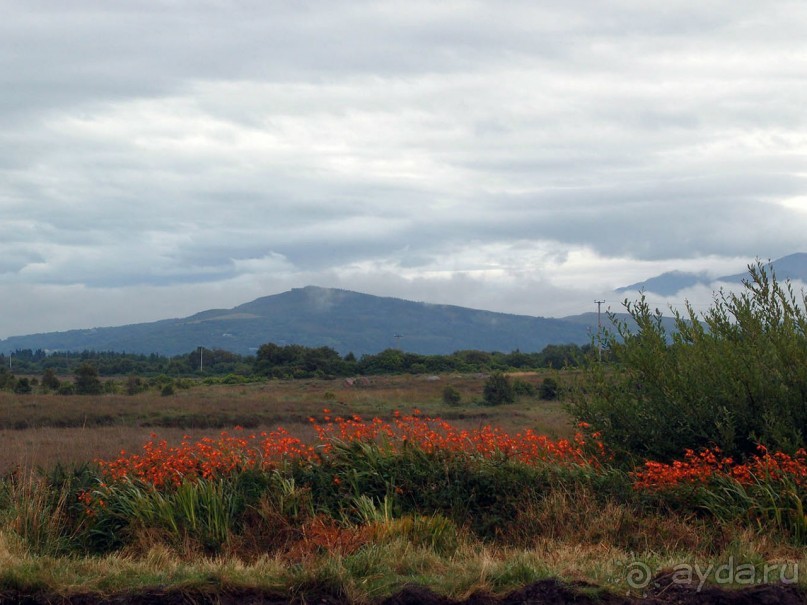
(432, 434)
(699, 468)
(163, 465)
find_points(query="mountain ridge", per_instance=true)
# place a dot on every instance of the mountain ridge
(793, 267)
(314, 316)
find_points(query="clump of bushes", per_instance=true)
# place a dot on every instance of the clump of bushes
(522, 388)
(733, 377)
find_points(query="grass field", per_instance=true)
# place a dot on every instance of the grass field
(41, 430)
(439, 506)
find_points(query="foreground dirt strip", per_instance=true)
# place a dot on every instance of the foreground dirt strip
(547, 592)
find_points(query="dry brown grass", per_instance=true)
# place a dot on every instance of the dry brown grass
(41, 430)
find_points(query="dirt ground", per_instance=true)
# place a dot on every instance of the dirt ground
(547, 592)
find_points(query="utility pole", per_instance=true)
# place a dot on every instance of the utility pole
(201, 359)
(599, 328)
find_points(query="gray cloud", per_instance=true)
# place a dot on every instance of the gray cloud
(516, 155)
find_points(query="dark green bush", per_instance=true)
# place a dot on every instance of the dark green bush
(498, 389)
(23, 386)
(134, 385)
(67, 388)
(451, 396)
(549, 389)
(87, 381)
(522, 388)
(49, 380)
(734, 377)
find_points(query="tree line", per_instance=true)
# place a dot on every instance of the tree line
(25, 369)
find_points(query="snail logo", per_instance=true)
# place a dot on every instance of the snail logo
(638, 575)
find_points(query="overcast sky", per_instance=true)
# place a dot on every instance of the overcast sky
(158, 158)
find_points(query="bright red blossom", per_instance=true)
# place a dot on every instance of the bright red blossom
(163, 465)
(701, 467)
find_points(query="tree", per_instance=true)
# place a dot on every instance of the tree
(49, 380)
(86, 381)
(498, 389)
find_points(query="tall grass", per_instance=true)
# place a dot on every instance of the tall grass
(362, 516)
(42, 515)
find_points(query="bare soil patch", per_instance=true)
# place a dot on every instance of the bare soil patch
(546, 592)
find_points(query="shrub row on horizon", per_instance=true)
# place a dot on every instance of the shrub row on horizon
(287, 361)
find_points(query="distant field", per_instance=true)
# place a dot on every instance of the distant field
(41, 430)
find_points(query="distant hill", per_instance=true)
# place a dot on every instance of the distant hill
(590, 319)
(312, 316)
(668, 283)
(793, 267)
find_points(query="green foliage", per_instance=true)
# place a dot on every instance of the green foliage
(522, 388)
(23, 386)
(498, 389)
(204, 511)
(289, 361)
(67, 388)
(167, 390)
(86, 380)
(768, 503)
(134, 385)
(451, 396)
(7, 379)
(549, 389)
(735, 377)
(297, 361)
(44, 511)
(481, 493)
(50, 381)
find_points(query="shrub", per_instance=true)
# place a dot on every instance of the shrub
(167, 390)
(49, 380)
(451, 396)
(735, 377)
(498, 389)
(67, 388)
(7, 379)
(524, 388)
(134, 385)
(87, 381)
(549, 389)
(23, 386)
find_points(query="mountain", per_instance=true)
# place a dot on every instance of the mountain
(590, 319)
(793, 267)
(668, 283)
(313, 316)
